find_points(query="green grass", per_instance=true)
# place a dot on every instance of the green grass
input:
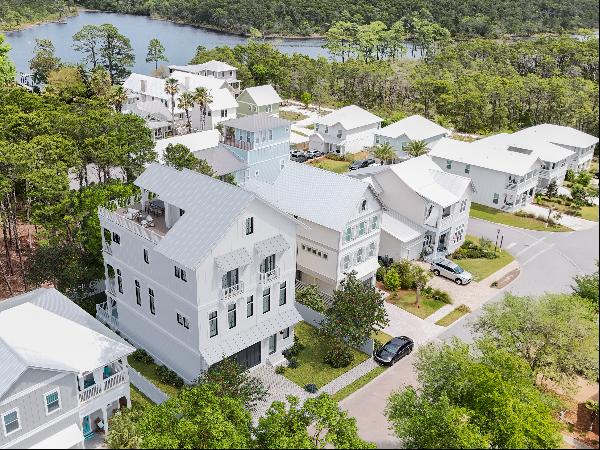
(139, 400)
(453, 316)
(292, 115)
(149, 371)
(482, 268)
(356, 385)
(312, 369)
(405, 299)
(382, 336)
(495, 215)
(590, 213)
(585, 212)
(331, 165)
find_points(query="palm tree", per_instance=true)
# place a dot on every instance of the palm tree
(421, 278)
(186, 102)
(416, 148)
(202, 98)
(117, 97)
(385, 153)
(172, 88)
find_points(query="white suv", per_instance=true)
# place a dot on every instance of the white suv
(451, 270)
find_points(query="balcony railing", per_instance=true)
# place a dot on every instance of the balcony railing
(232, 291)
(244, 145)
(130, 225)
(267, 277)
(107, 248)
(105, 315)
(119, 378)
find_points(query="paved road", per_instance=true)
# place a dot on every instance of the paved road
(549, 261)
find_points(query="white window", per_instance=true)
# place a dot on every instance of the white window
(52, 401)
(374, 222)
(377, 139)
(371, 249)
(463, 205)
(346, 262)
(212, 324)
(11, 422)
(270, 135)
(180, 273)
(360, 255)
(249, 225)
(448, 164)
(269, 108)
(362, 228)
(467, 168)
(496, 198)
(348, 234)
(146, 256)
(326, 129)
(363, 205)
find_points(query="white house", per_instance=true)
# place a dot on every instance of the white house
(63, 373)
(156, 115)
(504, 178)
(414, 128)
(582, 144)
(346, 130)
(342, 218)
(199, 270)
(259, 99)
(426, 209)
(213, 69)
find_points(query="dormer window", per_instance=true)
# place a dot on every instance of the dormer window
(249, 225)
(363, 205)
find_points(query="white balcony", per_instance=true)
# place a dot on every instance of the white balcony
(118, 378)
(233, 291)
(105, 315)
(121, 218)
(270, 276)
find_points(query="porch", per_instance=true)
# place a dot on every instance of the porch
(94, 384)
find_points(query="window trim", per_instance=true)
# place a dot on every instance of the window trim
(250, 303)
(249, 225)
(45, 397)
(138, 293)
(268, 296)
(146, 256)
(4, 414)
(152, 301)
(285, 333)
(210, 319)
(283, 288)
(232, 308)
(273, 337)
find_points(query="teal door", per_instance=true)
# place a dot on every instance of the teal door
(85, 426)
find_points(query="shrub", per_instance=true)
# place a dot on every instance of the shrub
(310, 297)
(293, 363)
(338, 356)
(299, 345)
(380, 274)
(427, 290)
(280, 370)
(405, 270)
(386, 261)
(335, 157)
(168, 376)
(570, 176)
(441, 296)
(311, 387)
(392, 280)
(471, 249)
(464, 309)
(377, 344)
(142, 356)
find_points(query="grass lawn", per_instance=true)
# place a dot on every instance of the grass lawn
(356, 385)
(495, 215)
(590, 213)
(382, 337)
(149, 371)
(453, 316)
(292, 115)
(139, 400)
(312, 369)
(405, 299)
(331, 165)
(587, 212)
(482, 268)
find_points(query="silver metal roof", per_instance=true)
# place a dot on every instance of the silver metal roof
(257, 122)
(271, 246)
(221, 160)
(234, 259)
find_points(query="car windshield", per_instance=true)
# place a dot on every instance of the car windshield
(458, 269)
(391, 347)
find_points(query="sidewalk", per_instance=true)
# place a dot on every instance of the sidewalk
(575, 223)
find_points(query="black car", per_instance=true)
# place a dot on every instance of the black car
(394, 350)
(361, 163)
(298, 156)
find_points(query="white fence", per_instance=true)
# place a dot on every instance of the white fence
(146, 387)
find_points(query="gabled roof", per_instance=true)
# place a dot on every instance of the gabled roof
(221, 160)
(558, 134)
(211, 207)
(485, 154)
(415, 128)
(216, 66)
(313, 194)
(43, 329)
(191, 81)
(154, 109)
(200, 140)
(155, 87)
(263, 95)
(349, 117)
(400, 227)
(528, 144)
(257, 122)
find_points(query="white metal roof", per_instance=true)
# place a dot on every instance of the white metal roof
(485, 154)
(400, 227)
(263, 95)
(528, 144)
(155, 87)
(273, 245)
(43, 329)
(326, 198)
(191, 81)
(216, 66)
(349, 117)
(221, 160)
(558, 134)
(416, 128)
(236, 258)
(257, 122)
(194, 141)
(65, 438)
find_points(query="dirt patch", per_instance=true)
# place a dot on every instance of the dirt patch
(11, 274)
(506, 279)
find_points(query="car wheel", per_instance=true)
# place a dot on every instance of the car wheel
(458, 281)
(436, 272)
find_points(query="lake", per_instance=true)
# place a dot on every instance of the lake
(180, 41)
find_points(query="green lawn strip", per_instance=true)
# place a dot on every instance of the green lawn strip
(452, 316)
(406, 300)
(312, 369)
(586, 212)
(382, 336)
(139, 400)
(331, 165)
(357, 384)
(292, 115)
(505, 218)
(481, 268)
(590, 213)
(149, 371)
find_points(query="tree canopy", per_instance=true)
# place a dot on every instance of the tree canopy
(7, 68)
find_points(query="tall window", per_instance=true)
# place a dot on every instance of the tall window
(152, 305)
(360, 255)
(11, 422)
(272, 344)
(348, 234)
(119, 281)
(495, 199)
(467, 168)
(374, 222)
(52, 401)
(116, 238)
(362, 228)
(231, 316)
(249, 225)
(212, 324)
(268, 264)
(286, 333)
(346, 262)
(138, 293)
(266, 300)
(231, 278)
(250, 306)
(180, 273)
(282, 294)
(448, 164)
(146, 256)
(371, 249)
(363, 205)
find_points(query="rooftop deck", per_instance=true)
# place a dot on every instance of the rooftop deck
(137, 222)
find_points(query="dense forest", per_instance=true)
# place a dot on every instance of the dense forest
(16, 13)
(306, 17)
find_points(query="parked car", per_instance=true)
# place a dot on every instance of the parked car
(451, 270)
(394, 350)
(314, 154)
(361, 163)
(298, 156)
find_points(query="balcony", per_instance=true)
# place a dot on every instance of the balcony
(269, 276)
(137, 225)
(229, 292)
(244, 145)
(107, 315)
(118, 376)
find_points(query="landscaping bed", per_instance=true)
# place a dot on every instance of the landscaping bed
(482, 267)
(139, 400)
(164, 379)
(292, 116)
(495, 215)
(453, 316)
(405, 299)
(338, 164)
(585, 212)
(312, 369)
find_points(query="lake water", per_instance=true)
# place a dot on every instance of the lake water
(180, 41)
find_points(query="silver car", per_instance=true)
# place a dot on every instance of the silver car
(451, 270)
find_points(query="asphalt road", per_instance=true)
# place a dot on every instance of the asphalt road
(548, 261)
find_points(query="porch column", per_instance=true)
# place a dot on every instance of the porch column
(98, 378)
(105, 420)
(80, 382)
(436, 242)
(144, 199)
